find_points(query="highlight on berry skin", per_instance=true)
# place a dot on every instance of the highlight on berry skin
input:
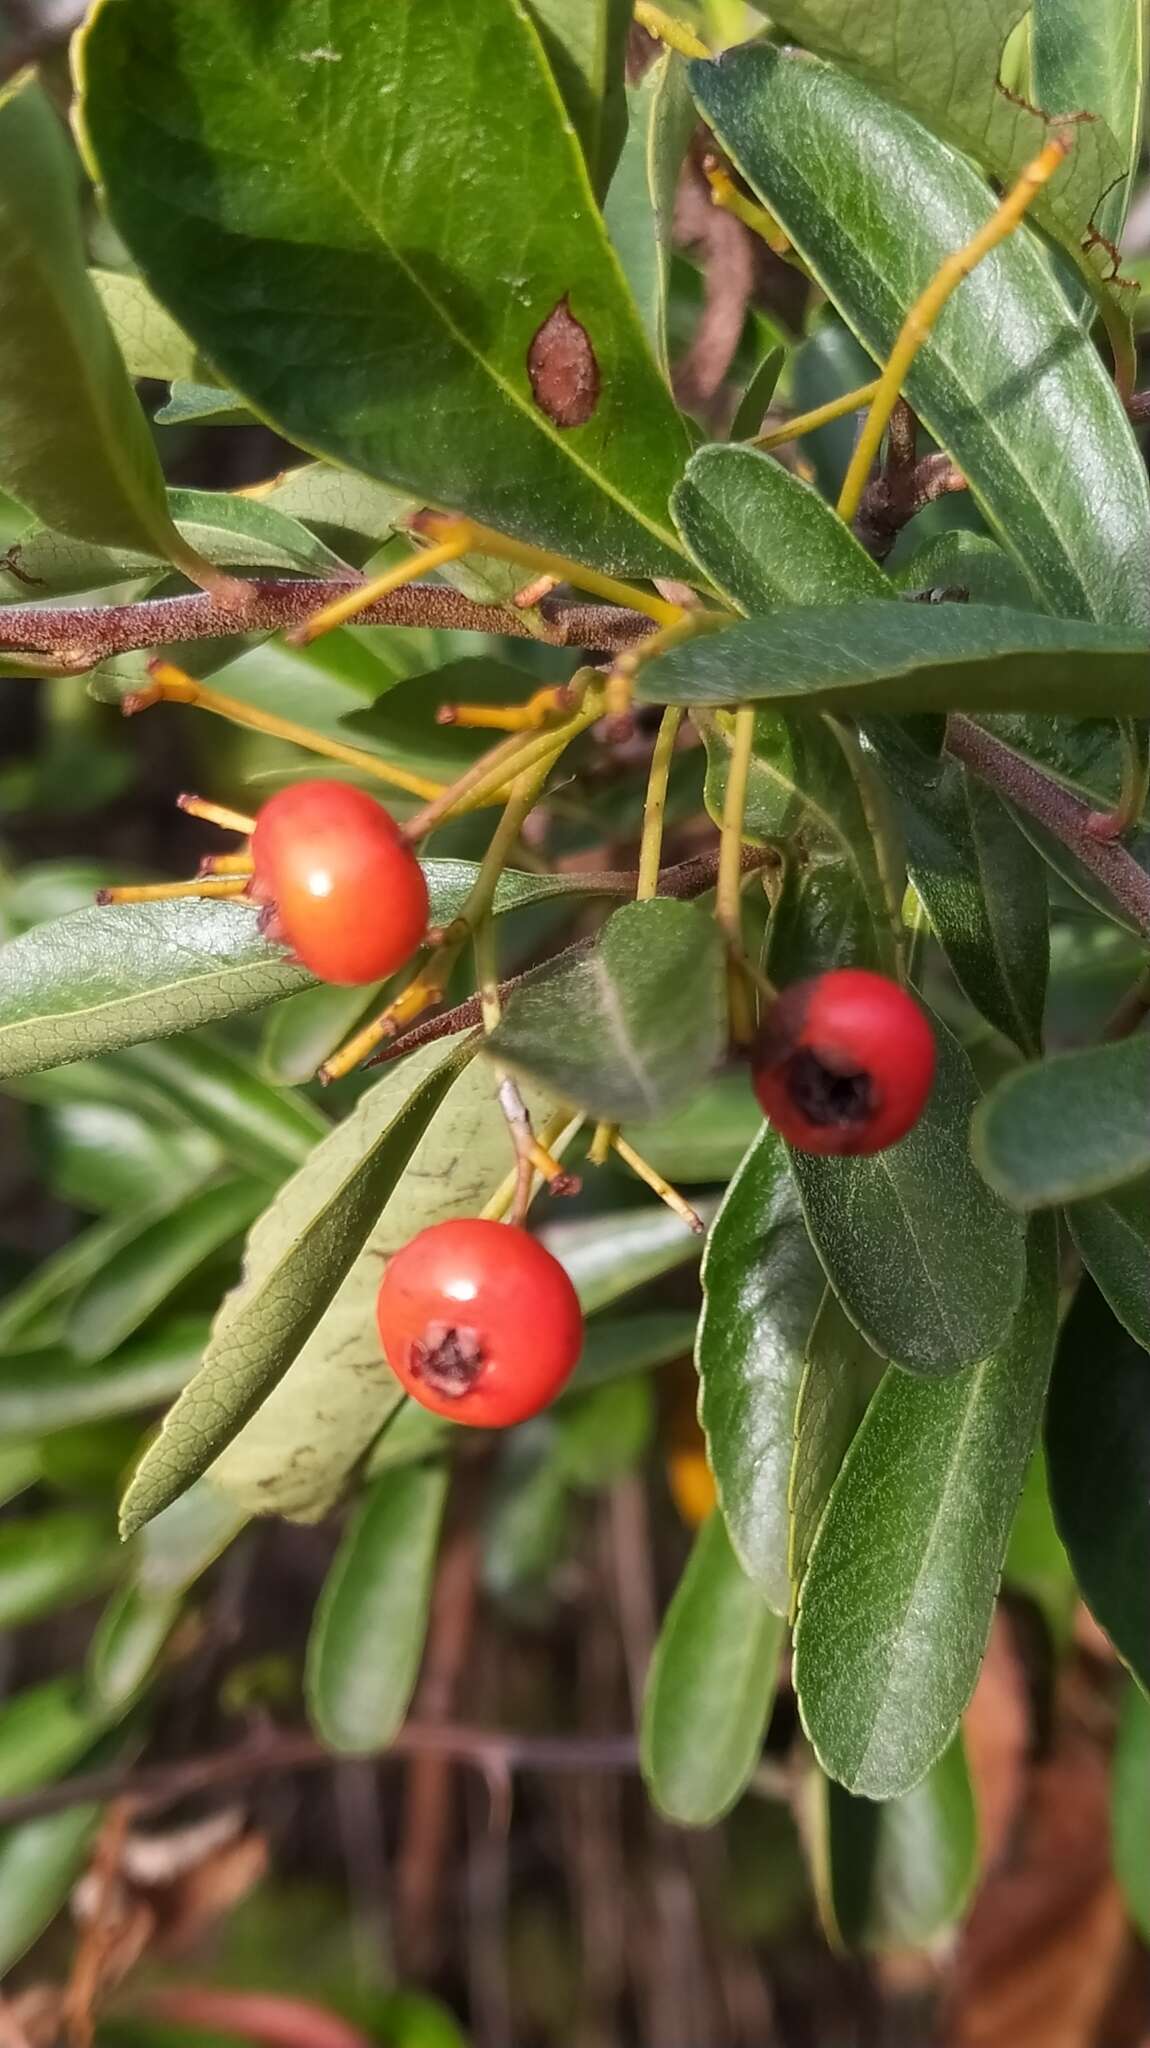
(339, 883)
(479, 1322)
(843, 1063)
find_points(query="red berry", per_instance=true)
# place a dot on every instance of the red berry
(844, 1062)
(341, 884)
(479, 1322)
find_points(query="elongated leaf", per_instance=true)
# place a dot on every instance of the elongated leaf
(149, 340)
(408, 303)
(1016, 397)
(48, 1390)
(367, 1637)
(128, 1642)
(39, 1863)
(983, 886)
(710, 1687)
(52, 1560)
(138, 1279)
(752, 407)
(294, 1456)
(640, 205)
(897, 1875)
(703, 1141)
(297, 1256)
(630, 1029)
(1130, 1807)
(74, 445)
(607, 1256)
(42, 1730)
(840, 1374)
(897, 1601)
(926, 1261)
(946, 70)
(765, 539)
(177, 1548)
(263, 1129)
(868, 657)
(1098, 1456)
(1112, 1233)
(763, 1294)
(1091, 54)
(585, 42)
(965, 561)
(1068, 1127)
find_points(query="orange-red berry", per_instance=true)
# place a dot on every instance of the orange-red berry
(844, 1062)
(339, 882)
(479, 1322)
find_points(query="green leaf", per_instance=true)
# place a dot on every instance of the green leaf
(100, 979)
(367, 1637)
(52, 1560)
(1091, 55)
(766, 540)
(752, 407)
(629, 1029)
(945, 69)
(703, 1141)
(899, 1593)
(764, 1297)
(710, 1687)
(983, 886)
(614, 1252)
(137, 1280)
(1112, 1233)
(1036, 1563)
(128, 1642)
(640, 205)
(897, 1875)
(602, 1433)
(965, 561)
(39, 1863)
(149, 340)
(586, 44)
(76, 448)
(48, 1390)
(42, 1731)
(102, 1156)
(294, 1456)
(1098, 1457)
(926, 1261)
(203, 405)
(263, 1129)
(1130, 1807)
(868, 657)
(840, 1374)
(387, 290)
(178, 1547)
(1067, 1127)
(874, 204)
(300, 1251)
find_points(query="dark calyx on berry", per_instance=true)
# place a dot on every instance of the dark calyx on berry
(448, 1357)
(826, 1092)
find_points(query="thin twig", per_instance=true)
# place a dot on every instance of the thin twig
(1064, 815)
(81, 636)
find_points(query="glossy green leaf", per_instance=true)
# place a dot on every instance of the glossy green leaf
(1098, 1457)
(867, 657)
(1017, 397)
(1068, 1127)
(585, 42)
(51, 1560)
(149, 340)
(945, 69)
(629, 1029)
(1112, 1234)
(76, 448)
(828, 364)
(840, 1374)
(1091, 55)
(388, 294)
(367, 1636)
(925, 1259)
(899, 1593)
(752, 407)
(764, 1295)
(101, 979)
(983, 886)
(710, 1687)
(1130, 1807)
(42, 1731)
(294, 1456)
(640, 205)
(137, 1280)
(897, 1875)
(128, 1642)
(297, 1256)
(263, 1129)
(764, 538)
(48, 1390)
(614, 1252)
(39, 1863)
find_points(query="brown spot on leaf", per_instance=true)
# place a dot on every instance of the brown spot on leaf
(563, 369)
